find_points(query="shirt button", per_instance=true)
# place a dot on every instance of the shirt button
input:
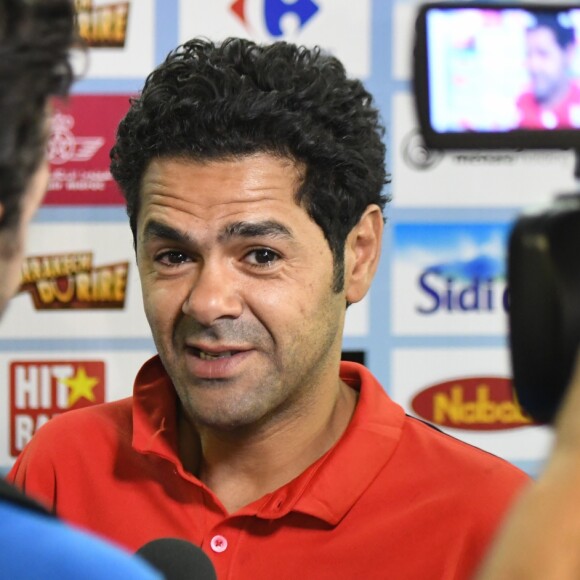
(218, 544)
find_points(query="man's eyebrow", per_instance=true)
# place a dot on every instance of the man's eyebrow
(155, 229)
(264, 229)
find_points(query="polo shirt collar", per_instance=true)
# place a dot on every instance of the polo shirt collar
(330, 486)
(155, 412)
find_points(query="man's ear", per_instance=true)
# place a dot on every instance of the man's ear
(362, 252)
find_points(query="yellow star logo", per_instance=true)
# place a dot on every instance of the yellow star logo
(81, 386)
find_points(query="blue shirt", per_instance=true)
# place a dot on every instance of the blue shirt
(36, 545)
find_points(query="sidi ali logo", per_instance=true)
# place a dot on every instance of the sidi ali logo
(40, 390)
(273, 12)
(473, 403)
(71, 281)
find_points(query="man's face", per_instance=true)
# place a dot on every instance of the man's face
(12, 240)
(237, 287)
(547, 64)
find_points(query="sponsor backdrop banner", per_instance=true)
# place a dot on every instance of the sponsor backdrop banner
(466, 393)
(42, 384)
(121, 37)
(327, 23)
(433, 328)
(82, 134)
(449, 278)
(78, 280)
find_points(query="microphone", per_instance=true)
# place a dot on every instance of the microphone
(178, 559)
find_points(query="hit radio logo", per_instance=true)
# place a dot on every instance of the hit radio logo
(40, 390)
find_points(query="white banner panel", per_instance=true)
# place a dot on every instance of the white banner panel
(449, 279)
(357, 318)
(471, 179)
(81, 280)
(339, 26)
(457, 386)
(120, 37)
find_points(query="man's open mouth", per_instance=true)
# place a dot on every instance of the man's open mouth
(213, 356)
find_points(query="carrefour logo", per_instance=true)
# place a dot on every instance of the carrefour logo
(273, 13)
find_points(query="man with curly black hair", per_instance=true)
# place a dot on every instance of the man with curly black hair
(35, 39)
(552, 100)
(254, 177)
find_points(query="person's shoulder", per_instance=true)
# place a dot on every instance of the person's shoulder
(526, 100)
(575, 89)
(439, 449)
(79, 426)
(79, 444)
(112, 414)
(454, 476)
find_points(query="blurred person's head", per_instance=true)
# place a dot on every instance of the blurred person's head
(549, 52)
(35, 38)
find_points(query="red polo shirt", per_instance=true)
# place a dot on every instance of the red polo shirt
(393, 498)
(563, 115)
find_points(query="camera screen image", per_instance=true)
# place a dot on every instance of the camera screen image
(502, 70)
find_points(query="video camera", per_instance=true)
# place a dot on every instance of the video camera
(507, 76)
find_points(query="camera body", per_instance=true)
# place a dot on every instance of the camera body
(476, 79)
(544, 315)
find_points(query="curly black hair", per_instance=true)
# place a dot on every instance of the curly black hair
(235, 98)
(35, 38)
(564, 35)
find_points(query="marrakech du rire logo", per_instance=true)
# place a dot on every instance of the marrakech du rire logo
(102, 25)
(71, 281)
(474, 403)
(40, 390)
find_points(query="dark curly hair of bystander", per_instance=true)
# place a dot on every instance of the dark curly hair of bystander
(35, 38)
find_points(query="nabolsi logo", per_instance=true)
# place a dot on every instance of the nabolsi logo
(39, 390)
(481, 404)
(70, 281)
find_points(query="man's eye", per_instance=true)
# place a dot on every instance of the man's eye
(262, 257)
(172, 258)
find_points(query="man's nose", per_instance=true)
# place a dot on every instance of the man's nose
(214, 294)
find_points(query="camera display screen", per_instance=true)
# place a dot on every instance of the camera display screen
(493, 75)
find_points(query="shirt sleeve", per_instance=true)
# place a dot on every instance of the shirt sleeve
(34, 472)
